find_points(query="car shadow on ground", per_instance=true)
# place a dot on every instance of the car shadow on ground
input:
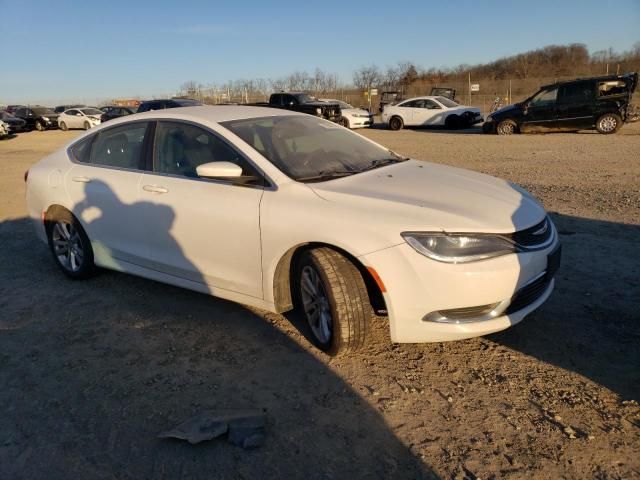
(591, 323)
(435, 129)
(93, 370)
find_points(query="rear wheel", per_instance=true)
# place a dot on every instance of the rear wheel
(70, 246)
(63, 126)
(333, 297)
(396, 123)
(506, 127)
(39, 126)
(609, 123)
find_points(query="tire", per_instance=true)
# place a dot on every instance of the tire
(333, 297)
(609, 123)
(507, 127)
(69, 245)
(344, 122)
(396, 123)
(87, 125)
(452, 122)
(39, 126)
(63, 126)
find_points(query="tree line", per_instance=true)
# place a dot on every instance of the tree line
(550, 62)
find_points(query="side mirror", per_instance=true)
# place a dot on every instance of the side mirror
(219, 170)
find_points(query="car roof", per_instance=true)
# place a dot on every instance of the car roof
(425, 97)
(625, 76)
(210, 113)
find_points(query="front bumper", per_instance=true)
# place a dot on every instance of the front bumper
(489, 126)
(418, 286)
(360, 122)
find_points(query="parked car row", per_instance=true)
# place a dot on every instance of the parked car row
(600, 103)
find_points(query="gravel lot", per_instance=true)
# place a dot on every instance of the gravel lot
(92, 371)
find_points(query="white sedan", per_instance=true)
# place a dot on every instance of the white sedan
(85, 118)
(276, 209)
(430, 111)
(352, 117)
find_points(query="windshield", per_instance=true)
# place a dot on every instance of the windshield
(447, 102)
(305, 98)
(307, 148)
(43, 111)
(91, 111)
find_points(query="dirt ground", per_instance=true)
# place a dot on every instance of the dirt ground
(91, 372)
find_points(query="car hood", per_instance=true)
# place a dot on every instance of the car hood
(507, 109)
(419, 195)
(463, 108)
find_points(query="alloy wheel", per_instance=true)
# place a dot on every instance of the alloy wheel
(67, 246)
(316, 304)
(608, 124)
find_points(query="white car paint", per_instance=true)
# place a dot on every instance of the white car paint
(354, 117)
(80, 117)
(4, 129)
(427, 111)
(229, 241)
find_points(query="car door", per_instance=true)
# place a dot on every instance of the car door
(540, 112)
(210, 232)
(432, 113)
(575, 105)
(104, 187)
(407, 111)
(71, 118)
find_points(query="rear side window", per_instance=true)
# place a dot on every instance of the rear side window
(120, 146)
(611, 88)
(576, 93)
(81, 151)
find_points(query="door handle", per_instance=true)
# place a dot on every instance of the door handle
(155, 189)
(81, 179)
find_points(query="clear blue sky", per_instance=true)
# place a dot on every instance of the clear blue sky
(59, 50)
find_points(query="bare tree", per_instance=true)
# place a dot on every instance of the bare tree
(366, 77)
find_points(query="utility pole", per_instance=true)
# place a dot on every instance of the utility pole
(469, 88)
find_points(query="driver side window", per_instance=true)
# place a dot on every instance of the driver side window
(180, 148)
(545, 98)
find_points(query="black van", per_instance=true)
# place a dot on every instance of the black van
(603, 103)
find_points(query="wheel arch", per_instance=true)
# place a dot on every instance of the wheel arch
(283, 274)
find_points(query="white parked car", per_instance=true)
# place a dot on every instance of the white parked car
(86, 118)
(430, 111)
(274, 209)
(352, 117)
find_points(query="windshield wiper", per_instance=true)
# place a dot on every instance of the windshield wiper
(383, 162)
(327, 175)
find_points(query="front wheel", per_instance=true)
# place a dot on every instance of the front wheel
(395, 123)
(334, 299)
(63, 126)
(609, 123)
(87, 125)
(39, 126)
(506, 127)
(70, 246)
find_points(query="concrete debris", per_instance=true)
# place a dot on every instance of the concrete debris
(244, 428)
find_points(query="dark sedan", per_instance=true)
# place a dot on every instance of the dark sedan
(40, 118)
(116, 112)
(15, 124)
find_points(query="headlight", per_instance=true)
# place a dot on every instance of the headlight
(459, 248)
(318, 111)
(46, 119)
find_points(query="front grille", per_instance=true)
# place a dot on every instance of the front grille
(533, 236)
(528, 294)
